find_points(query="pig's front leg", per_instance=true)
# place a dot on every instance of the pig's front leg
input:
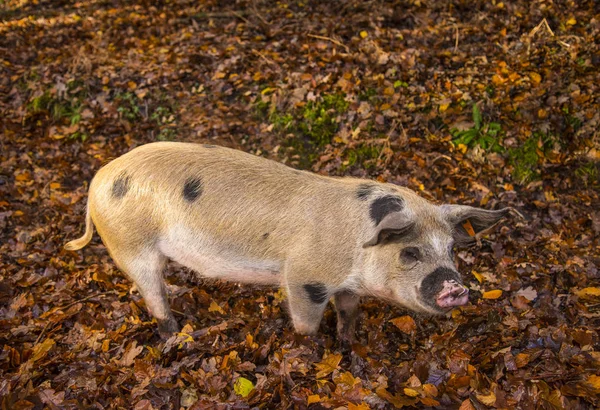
(307, 302)
(346, 305)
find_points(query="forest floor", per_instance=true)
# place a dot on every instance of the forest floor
(486, 103)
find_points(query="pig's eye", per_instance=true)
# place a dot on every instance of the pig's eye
(451, 252)
(410, 255)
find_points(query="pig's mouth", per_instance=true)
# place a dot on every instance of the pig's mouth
(453, 294)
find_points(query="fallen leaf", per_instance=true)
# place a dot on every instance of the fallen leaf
(313, 398)
(468, 227)
(430, 390)
(361, 406)
(405, 323)
(588, 293)
(132, 352)
(492, 294)
(410, 392)
(428, 401)
(528, 293)
(41, 349)
(243, 387)
(535, 78)
(328, 365)
(521, 360)
(594, 382)
(488, 399)
(466, 405)
(214, 307)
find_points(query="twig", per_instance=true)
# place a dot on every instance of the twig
(68, 306)
(544, 24)
(456, 41)
(537, 28)
(334, 41)
(88, 298)
(258, 14)
(41, 333)
(268, 60)
(238, 15)
(221, 14)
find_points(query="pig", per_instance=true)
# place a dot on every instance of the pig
(230, 215)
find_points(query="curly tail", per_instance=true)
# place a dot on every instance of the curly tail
(87, 236)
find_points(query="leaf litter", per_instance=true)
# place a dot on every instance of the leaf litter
(483, 103)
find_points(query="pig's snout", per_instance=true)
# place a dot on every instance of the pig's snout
(452, 294)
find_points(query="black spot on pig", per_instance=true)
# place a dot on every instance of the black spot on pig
(385, 205)
(364, 191)
(433, 283)
(265, 235)
(192, 189)
(120, 186)
(209, 146)
(317, 292)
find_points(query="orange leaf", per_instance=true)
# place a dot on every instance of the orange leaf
(466, 405)
(428, 401)
(492, 294)
(23, 176)
(588, 292)
(468, 227)
(405, 323)
(594, 381)
(430, 390)
(314, 398)
(361, 406)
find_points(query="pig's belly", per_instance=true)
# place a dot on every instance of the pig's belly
(199, 253)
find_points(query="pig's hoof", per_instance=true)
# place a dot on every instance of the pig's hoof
(346, 341)
(167, 327)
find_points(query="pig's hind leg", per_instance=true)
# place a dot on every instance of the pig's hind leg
(144, 268)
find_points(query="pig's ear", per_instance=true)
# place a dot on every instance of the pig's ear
(468, 221)
(395, 223)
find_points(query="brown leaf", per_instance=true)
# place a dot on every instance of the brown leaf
(397, 400)
(528, 293)
(132, 352)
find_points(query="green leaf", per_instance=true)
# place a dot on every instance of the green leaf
(477, 118)
(243, 386)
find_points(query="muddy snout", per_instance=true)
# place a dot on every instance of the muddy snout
(452, 294)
